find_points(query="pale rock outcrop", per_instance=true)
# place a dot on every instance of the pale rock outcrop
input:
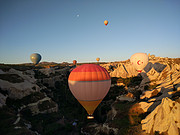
(145, 106)
(18, 119)
(49, 107)
(156, 68)
(151, 57)
(21, 89)
(146, 94)
(54, 76)
(53, 70)
(128, 97)
(121, 69)
(97, 129)
(168, 80)
(106, 129)
(47, 71)
(165, 118)
(2, 100)
(1, 72)
(15, 93)
(112, 113)
(120, 84)
(52, 80)
(177, 67)
(152, 74)
(30, 78)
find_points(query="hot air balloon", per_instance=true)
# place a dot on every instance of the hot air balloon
(106, 22)
(35, 58)
(98, 59)
(89, 83)
(74, 62)
(139, 61)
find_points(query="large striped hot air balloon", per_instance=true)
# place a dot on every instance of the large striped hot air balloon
(89, 83)
(139, 61)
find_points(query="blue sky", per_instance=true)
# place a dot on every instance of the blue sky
(64, 30)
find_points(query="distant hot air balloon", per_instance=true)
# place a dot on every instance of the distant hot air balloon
(74, 62)
(139, 61)
(89, 83)
(98, 59)
(35, 58)
(106, 22)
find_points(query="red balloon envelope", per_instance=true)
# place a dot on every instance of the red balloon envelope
(89, 83)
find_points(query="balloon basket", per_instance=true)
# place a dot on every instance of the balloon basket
(90, 117)
(139, 71)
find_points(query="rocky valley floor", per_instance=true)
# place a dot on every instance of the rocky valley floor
(36, 100)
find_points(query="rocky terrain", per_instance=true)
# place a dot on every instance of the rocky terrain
(36, 100)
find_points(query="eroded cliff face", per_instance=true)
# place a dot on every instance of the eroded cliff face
(27, 93)
(26, 88)
(164, 119)
(18, 84)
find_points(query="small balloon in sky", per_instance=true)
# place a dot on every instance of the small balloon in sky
(74, 62)
(78, 15)
(35, 58)
(106, 22)
(97, 59)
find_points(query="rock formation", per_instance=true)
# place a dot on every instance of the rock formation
(17, 83)
(164, 119)
(21, 87)
(41, 91)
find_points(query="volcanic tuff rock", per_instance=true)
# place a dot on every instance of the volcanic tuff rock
(28, 90)
(128, 97)
(42, 105)
(98, 129)
(2, 100)
(53, 75)
(17, 83)
(160, 78)
(166, 85)
(123, 70)
(22, 91)
(165, 118)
